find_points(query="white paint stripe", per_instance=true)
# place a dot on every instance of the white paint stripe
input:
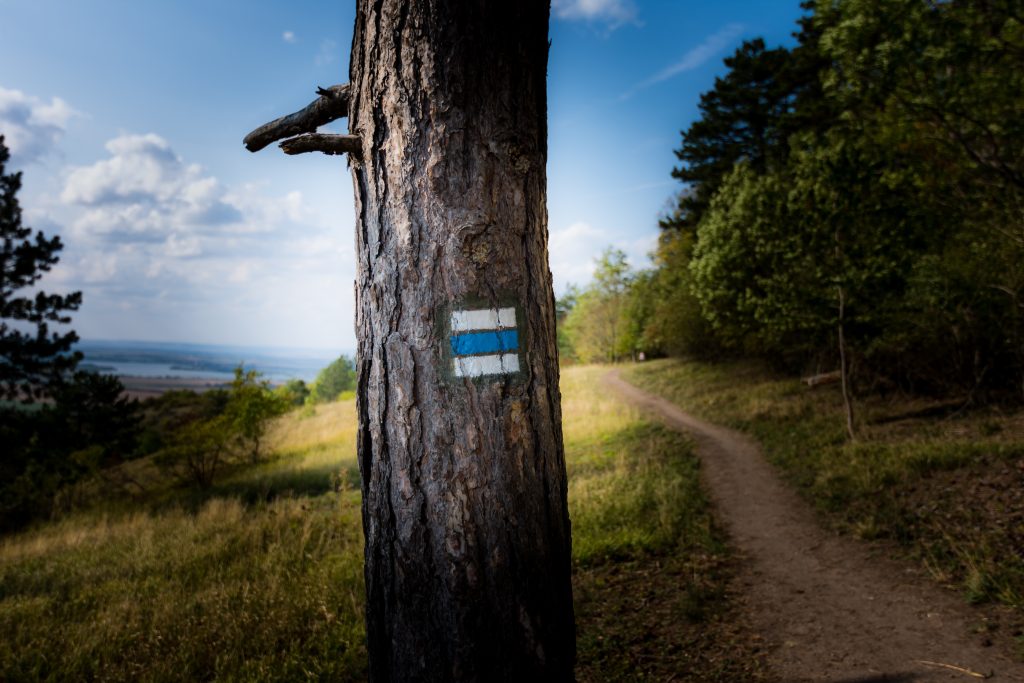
(478, 366)
(483, 319)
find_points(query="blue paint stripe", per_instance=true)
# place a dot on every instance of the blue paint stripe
(491, 341)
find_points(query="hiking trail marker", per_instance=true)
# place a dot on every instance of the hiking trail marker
(483, 342)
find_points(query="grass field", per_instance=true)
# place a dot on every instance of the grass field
(260, 578)
(945, 482)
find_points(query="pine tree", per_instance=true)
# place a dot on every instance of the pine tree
(765, 97)
(31, 355)
(465, 514)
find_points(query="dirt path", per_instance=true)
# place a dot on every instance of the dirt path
(830, 610)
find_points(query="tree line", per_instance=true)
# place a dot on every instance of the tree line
(60, 425)
(852, 202)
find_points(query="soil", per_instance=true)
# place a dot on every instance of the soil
(664, 619)
(830, 608)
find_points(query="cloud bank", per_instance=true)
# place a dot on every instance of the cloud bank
(31, 127)
(153, 239)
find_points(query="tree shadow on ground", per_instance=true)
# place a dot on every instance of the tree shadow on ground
(898, 677)
(266, 486)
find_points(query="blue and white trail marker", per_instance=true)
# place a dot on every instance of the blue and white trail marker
(484, 341)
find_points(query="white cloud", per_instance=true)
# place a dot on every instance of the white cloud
(146, 191)
(573, 251)
(177, 246)
(712, 46)
(32, 127)
(288, 36)
(152, 238)
(615, 13)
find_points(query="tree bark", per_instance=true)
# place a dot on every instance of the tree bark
(463, 472)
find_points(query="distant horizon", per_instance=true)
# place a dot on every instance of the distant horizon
(205, 361)
(270, 349)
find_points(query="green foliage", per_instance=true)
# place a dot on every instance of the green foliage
(218, 429)
(940, 87)
(756, 278)
(676, 324)
(337, 377)
(88, 425)
(293, 392)
(91, 409)
(869, 180)
(596, 328)
(201, 449)
(747, 116)
(563, 307)
(251, 404)
(29, 360)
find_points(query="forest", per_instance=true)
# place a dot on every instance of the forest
(854, 202)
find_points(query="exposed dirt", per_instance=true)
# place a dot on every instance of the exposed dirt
(664, 619)
(829, 608)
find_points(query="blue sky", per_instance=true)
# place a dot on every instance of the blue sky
(127, 119)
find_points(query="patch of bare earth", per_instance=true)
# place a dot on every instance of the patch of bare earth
(662, 619)
(830, 608)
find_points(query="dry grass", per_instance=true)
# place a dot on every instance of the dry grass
(260, 579)
(944, 481)
(315, 427)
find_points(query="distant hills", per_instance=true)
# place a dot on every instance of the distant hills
(203, 361)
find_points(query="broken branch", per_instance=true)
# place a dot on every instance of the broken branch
(953, 667)
(332, 104)
(321, 142)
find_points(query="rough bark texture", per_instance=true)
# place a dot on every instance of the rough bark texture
(464, 487)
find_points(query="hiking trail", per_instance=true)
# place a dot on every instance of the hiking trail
(830, 608)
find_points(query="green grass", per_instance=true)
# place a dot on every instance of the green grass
(260, 578)
(633, 485)
(943, 483)
(651, 568)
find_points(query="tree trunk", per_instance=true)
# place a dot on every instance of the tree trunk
(844, 368)
(460, 443)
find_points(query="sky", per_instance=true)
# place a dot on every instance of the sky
(127, 121)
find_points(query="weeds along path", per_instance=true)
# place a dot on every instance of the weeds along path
(828, 608)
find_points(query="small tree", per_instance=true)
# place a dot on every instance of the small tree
(337, 377)
(200, 450)
(251, 404)
(293, 392)
(595, 323)
(31, 356)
